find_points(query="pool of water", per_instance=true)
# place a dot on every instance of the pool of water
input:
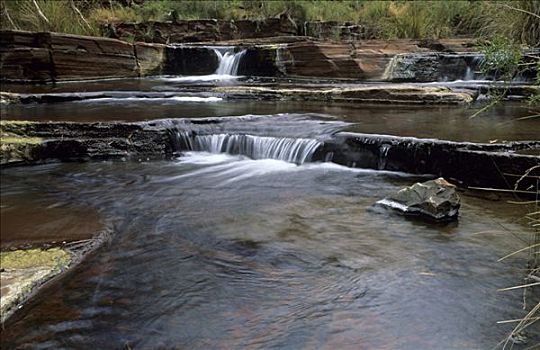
(449, 122)
(223, 251)
(505, 121)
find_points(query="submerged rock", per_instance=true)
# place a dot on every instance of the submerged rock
(434, 199)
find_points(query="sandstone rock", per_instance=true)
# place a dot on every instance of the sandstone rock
(100, 57)
(434, 199)
(150, 58)
(25, 56)
(201, 30)
(387, 93)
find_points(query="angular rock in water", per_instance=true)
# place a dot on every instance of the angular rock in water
(434, 199)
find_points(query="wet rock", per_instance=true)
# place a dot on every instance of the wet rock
(7, 98)
(472, 164)
(31, 142)
(434, 199)
(388, 93)
(25, 270)
(190, 60)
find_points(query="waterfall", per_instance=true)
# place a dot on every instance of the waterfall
(293, 150)
(474, 65)
(228, 61)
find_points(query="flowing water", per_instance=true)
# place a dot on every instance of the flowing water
(243, 242)
(223, 251)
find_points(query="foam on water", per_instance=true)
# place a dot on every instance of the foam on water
(155, 99)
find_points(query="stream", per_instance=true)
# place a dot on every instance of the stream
(242, 241)
(217, 250)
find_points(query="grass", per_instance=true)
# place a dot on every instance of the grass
(517, 20)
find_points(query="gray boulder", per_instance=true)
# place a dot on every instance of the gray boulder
(434, 199)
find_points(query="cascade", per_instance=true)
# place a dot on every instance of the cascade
(293, 150)
(228, 61)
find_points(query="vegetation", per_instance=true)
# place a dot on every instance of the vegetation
(24, 259)
(391, 19)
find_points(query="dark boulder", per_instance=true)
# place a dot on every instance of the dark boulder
(434, 199)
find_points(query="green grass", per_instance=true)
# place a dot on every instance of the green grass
(517, 20)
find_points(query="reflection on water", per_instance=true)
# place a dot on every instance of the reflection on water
(443, 122)
(222, 251)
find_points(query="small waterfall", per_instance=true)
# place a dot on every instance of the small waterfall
(292, 150)
(474, 65)
(228, 61)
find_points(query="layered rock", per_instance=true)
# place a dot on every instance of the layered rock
(29, 142)
(470, 164)
(49, 57)
(202, 30)
(370, 59)
(435, 199)
(404, 94)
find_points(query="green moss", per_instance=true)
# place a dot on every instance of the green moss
(16, 127)
(21, 140)
(23, 259)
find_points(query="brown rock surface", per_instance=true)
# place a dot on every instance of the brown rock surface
(150, 58)
(45, 57)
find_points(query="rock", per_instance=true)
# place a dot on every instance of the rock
(201, 30)
(434, 199)
(25, 270)
(48, 57)
(387, 93)
(150, 58)
(79, 57)
(190, 60)
(7, 98)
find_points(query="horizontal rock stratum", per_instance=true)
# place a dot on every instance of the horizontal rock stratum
(51, 57)
(471, 164)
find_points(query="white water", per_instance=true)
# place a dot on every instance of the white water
(292, 150)
(155, 99)
(226, 168)
(228, 61)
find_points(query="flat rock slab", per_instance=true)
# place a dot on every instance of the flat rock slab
(383, 93)
(23, 271)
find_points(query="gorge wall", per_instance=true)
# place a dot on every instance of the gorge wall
(52, 57)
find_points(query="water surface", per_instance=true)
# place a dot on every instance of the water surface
(222, 251)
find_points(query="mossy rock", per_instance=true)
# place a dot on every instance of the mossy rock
(19, 149)
(16, 128)
(24, 259)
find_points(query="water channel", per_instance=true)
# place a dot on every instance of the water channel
(263, 248)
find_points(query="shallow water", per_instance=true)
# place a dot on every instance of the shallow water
(448, 122)
(222, 251)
